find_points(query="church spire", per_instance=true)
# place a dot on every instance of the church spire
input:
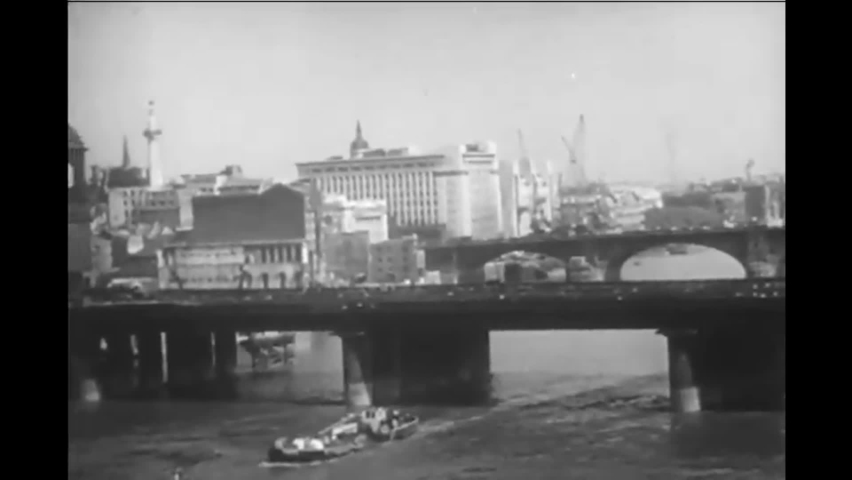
(125, 155)
(359, 144)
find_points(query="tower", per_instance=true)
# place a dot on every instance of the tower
(125, 156)
(152, 133)
(359, 144)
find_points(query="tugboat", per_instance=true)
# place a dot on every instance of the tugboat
(347, 435)
(386, 425)
(305, 450)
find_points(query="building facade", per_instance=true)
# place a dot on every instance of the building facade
(766, 204)
(76, 166)
(397, 261)
(346, 256)
(142, 205)
(251, 240)
(457, 188)
(468, 192)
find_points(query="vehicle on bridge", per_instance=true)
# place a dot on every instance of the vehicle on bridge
(580, 270)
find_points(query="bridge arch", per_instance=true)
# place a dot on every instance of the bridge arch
(679, 261)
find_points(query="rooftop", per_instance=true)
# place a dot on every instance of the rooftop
(276, 214)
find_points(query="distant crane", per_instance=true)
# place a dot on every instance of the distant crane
(575, 148)
(748, 168)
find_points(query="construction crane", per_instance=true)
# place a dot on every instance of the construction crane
(748, 168)
(575, 151)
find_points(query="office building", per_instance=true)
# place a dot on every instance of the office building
(456, 188)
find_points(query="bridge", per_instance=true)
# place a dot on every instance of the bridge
(405, 344)
(749, 245)
(553, 306)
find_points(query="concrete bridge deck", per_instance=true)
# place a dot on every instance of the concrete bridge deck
(620, 305)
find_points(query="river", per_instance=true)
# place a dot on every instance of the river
(573, 405)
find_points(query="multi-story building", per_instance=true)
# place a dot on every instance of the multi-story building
(766, 204)
(468, 192)
(346, 255)
(256, 240)
(134, 205)
(533, 193)
(340, 215)
(397, 260)
(455, 188)
(89, 255)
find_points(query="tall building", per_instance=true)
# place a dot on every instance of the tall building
(468, 192)
(255, 239)
(456, 188)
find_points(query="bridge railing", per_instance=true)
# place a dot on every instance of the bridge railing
(458, 293)
(651, 232)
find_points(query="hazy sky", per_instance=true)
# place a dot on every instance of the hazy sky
(268, 85)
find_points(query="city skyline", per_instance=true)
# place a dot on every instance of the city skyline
(269, 85)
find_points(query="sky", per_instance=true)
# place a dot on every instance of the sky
(269, 85)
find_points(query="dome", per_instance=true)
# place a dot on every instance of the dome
(74, 140)
(359, 143)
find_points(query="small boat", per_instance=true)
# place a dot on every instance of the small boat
(288, 451)
(384, 425)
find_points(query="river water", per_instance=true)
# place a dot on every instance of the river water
(572, 405)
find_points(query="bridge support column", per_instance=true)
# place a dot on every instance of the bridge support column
(190, 362)
(84, 351)
(446, 366)
(226, 354)
(151, 356)
(357, 370)
(225, 358)
(684, 392)
(120, 374)
(387, 366)
(730, 368)
(743, 369)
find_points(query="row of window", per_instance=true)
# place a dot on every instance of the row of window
(368, 168)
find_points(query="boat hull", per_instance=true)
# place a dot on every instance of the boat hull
(401, 432)
(293, 456)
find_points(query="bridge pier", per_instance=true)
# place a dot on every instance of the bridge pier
(120, 370)
(357, 370)
(446, 366)
(739, 369)
(225, 354)
(388, 366)
(84, 352)
(684, 393)
(151, 355)
(190, 362)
